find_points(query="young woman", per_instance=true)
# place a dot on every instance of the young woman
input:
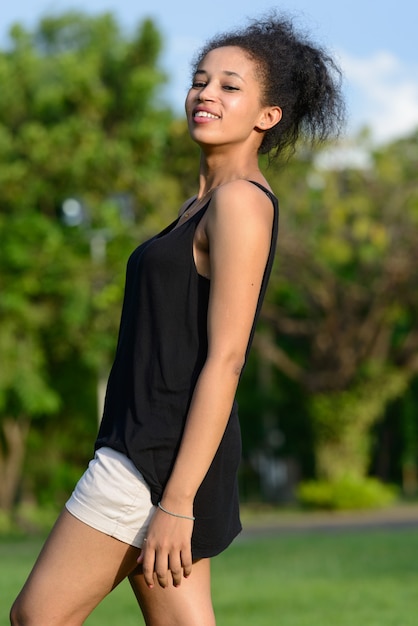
(160, 497)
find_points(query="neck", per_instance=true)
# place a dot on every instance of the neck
(217, 171)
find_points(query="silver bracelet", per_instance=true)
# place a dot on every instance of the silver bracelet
(191, 518)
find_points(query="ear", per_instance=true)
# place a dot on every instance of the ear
(269, 117)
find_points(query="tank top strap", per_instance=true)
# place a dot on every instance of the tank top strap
(275, 229)
(266, 191)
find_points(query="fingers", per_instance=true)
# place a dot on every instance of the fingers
(166, 554)
(147, 560)
(175, 569)
(162, 569)
(187, 562)
(166, 567)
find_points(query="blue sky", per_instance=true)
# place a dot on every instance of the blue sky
(374, 41)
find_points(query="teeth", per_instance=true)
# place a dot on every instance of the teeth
(206, 114)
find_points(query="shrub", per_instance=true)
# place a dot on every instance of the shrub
(346, 494)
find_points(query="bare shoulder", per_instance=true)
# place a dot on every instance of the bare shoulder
(242, 205)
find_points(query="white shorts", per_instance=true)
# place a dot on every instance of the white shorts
(113, 497)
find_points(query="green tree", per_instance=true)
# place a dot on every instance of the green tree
(343, 301)
(81, 119)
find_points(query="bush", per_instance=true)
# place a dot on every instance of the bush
(346, 494)
(6, 524)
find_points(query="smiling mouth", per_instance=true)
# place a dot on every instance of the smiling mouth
(206, 114)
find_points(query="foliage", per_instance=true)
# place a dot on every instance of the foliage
(342, 290)
(346, 494)
(343, 299)
(80, 119)
(343, 421)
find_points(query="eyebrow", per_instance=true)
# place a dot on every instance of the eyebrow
(226, 72)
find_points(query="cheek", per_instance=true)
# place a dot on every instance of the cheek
(246, 111)
(188, 101)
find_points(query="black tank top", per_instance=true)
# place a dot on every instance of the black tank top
(162, 347)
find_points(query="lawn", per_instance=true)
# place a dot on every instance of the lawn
(306, 578)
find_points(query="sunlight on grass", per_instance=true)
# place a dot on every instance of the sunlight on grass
(317, 579)
(343, 578)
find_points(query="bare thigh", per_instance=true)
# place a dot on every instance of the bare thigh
(187, 605)
(77, 567)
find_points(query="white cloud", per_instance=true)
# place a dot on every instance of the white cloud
(382, 93)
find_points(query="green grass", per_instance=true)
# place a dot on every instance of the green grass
(339, 578)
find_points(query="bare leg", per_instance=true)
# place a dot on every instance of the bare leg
(187, 605)
(77, 567)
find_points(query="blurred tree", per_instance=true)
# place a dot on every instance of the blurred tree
(80, 120)
(343, 302)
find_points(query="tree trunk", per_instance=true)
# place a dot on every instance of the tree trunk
(343, 422)
(12, 454)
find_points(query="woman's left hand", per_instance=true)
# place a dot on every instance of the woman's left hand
(167, 550)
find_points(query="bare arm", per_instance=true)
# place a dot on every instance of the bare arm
(239, 223)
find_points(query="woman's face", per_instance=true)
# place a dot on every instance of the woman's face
(223, 105)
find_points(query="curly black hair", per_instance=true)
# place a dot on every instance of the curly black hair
(297, 75)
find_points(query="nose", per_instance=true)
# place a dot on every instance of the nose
(205, 93)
